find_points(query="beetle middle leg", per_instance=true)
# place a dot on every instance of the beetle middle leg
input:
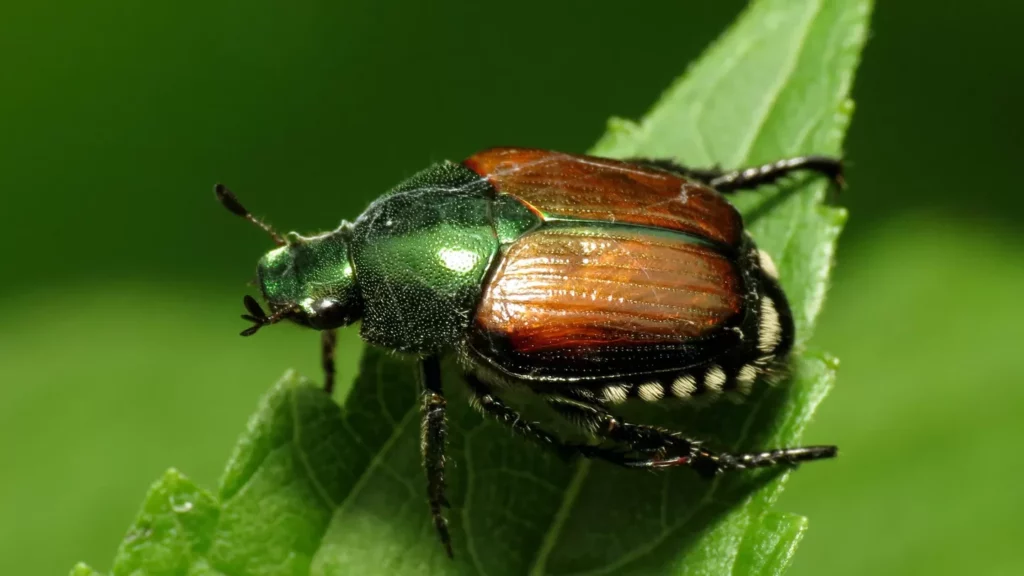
(754, 176)
(434, 437)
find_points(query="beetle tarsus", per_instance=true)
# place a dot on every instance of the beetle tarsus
(749, 178)
(704, 175)
(775, 457)
(709, 464)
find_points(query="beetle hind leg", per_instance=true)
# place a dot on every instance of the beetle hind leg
(490, 405)
(639, 438)
(754, 176)
(710, 464)
(652, 447)
(484, 400)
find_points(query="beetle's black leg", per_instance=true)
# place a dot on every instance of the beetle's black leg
(640, 438)
(328, 342)
(709, 463)
(434, 437)
(485, 401)
(705, 175)
(671, 449)
(754, 176)
(488, 403)
(749, 178)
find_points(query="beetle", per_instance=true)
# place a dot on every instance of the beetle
(586, 280)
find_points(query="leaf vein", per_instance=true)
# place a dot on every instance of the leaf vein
(770, 101)
(301, 454)
(572, 491)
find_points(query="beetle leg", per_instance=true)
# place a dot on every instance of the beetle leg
(705, 175)
(490, 405)
(709, 463)
(671, 449)
(434, 437)
(754, 176)
(328, 342)
(638, 437)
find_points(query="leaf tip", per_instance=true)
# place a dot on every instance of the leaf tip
(172, 476)
(289, 381)
(624, 126)
(619, 138)
(82, 569)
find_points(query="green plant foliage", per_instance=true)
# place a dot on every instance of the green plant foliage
(315, 488)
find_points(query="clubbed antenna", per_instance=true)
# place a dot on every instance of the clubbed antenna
(258, 317)
(228, 199)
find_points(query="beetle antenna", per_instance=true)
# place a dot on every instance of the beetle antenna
(228, 199)
(258, 317)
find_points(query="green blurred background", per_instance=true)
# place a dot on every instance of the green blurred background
(122, 278)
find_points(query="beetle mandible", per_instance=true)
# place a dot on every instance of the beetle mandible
(588, 280)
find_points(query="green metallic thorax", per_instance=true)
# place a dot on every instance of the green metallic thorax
(421, 253)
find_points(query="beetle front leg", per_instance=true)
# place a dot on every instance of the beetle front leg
(434, 437)
(754, 176)
(328, 343)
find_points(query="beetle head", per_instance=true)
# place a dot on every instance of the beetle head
(311, 281)
(308, 280)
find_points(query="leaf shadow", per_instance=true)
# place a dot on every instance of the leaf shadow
(767, 199)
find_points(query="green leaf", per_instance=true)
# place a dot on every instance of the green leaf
(772, 543)
(172, 531)
(313, 488)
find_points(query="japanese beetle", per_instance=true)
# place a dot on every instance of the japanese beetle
(587, 280)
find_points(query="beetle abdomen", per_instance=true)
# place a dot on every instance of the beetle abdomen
(606, 302)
